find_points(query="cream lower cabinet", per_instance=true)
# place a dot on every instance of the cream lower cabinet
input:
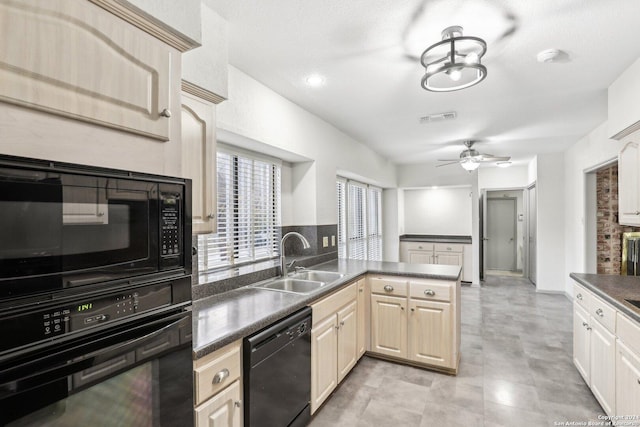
(333, 342)
(389, 325)
(430, 334)
(594, 345)
(199, 160)
(627, 366)
(438, 253)
(416, 320)
(363, 323)
(218, 388)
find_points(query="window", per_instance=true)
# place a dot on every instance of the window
(359, 220)
(248, 212)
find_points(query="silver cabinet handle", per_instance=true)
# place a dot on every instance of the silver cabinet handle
(165, 113)
(388, 288)
(337, 327)
(429, 292)
(579, 296)
(599, 312)
(419, 247)
(342, 323)
(448, 248)
(401, 308)
(589, 328)
(237, 403)
(413, 309)
(220, 376)
(638, 380)
(360, 290)
(211, 216)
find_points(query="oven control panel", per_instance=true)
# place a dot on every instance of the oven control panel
(83, 314)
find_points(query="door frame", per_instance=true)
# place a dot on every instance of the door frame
(483, 225)
(528, 208)
(515, 226)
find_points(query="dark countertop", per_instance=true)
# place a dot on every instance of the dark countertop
(224, 318)
(614, 290)
(433, 238)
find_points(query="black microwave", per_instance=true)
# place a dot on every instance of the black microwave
(75, 229)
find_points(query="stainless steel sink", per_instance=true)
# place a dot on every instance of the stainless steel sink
(293, 285)
(318, 276)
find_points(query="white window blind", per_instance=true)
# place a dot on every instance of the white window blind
(359, 220)
(341, 192)
(248, 212)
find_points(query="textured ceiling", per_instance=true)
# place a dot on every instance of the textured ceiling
(368, 52)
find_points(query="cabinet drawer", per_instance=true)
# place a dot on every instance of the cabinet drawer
(628, 331)
(419, 246)
(449, 247)
(581, 296)
(333, 303)
(431, 289)
(388, 286)
(603, 313)
(216, 371)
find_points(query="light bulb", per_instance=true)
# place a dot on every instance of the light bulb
(472, 58)
(470, 165)
(455, 74)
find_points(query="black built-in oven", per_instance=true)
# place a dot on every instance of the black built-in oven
(95, 296)
(68, 226)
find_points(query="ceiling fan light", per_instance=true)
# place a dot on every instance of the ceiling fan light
(470, 165)
(504, 164)
(454, 63)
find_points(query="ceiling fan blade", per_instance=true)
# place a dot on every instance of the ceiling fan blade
(492, 158)
(447, 164)
(448, 160)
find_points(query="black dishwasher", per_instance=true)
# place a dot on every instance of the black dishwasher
(277, 373)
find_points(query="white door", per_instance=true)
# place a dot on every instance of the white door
(501, 234)
(532, 208)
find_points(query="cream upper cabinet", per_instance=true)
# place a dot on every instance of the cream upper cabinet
(629, 184)
(77, 60)
(623, 107)
(199, 160)
(389, 325)
(333, 342)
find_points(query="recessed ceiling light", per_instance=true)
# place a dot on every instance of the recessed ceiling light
(503, 164)
(315, 80)
(552, 55)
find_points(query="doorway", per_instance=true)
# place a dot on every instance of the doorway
(501, 249)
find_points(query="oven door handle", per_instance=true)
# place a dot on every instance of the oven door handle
(61, 364)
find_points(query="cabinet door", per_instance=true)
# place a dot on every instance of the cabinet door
(448, 258)
(324, 361)
(389, 325)
(629, 184)
(347, 339)
(77, 60)
(421, 257)
(627, 380)
(581, 341)
(362, 322)
(199, 160)
(430, 332)
(222, 410)
(603, 364)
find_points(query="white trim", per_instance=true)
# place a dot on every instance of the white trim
(253, 155)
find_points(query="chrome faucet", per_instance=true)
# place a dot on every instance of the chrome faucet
(283, 262)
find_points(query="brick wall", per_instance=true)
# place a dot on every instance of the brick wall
(609, 232)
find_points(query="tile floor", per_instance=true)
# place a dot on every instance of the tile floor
(515, 370)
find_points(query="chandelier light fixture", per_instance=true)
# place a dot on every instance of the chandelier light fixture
(453, 63)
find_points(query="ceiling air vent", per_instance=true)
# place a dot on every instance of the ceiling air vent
(440, 117)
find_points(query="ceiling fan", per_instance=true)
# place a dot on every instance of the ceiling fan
(470, 158)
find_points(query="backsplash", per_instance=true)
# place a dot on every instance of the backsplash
(609, 232)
